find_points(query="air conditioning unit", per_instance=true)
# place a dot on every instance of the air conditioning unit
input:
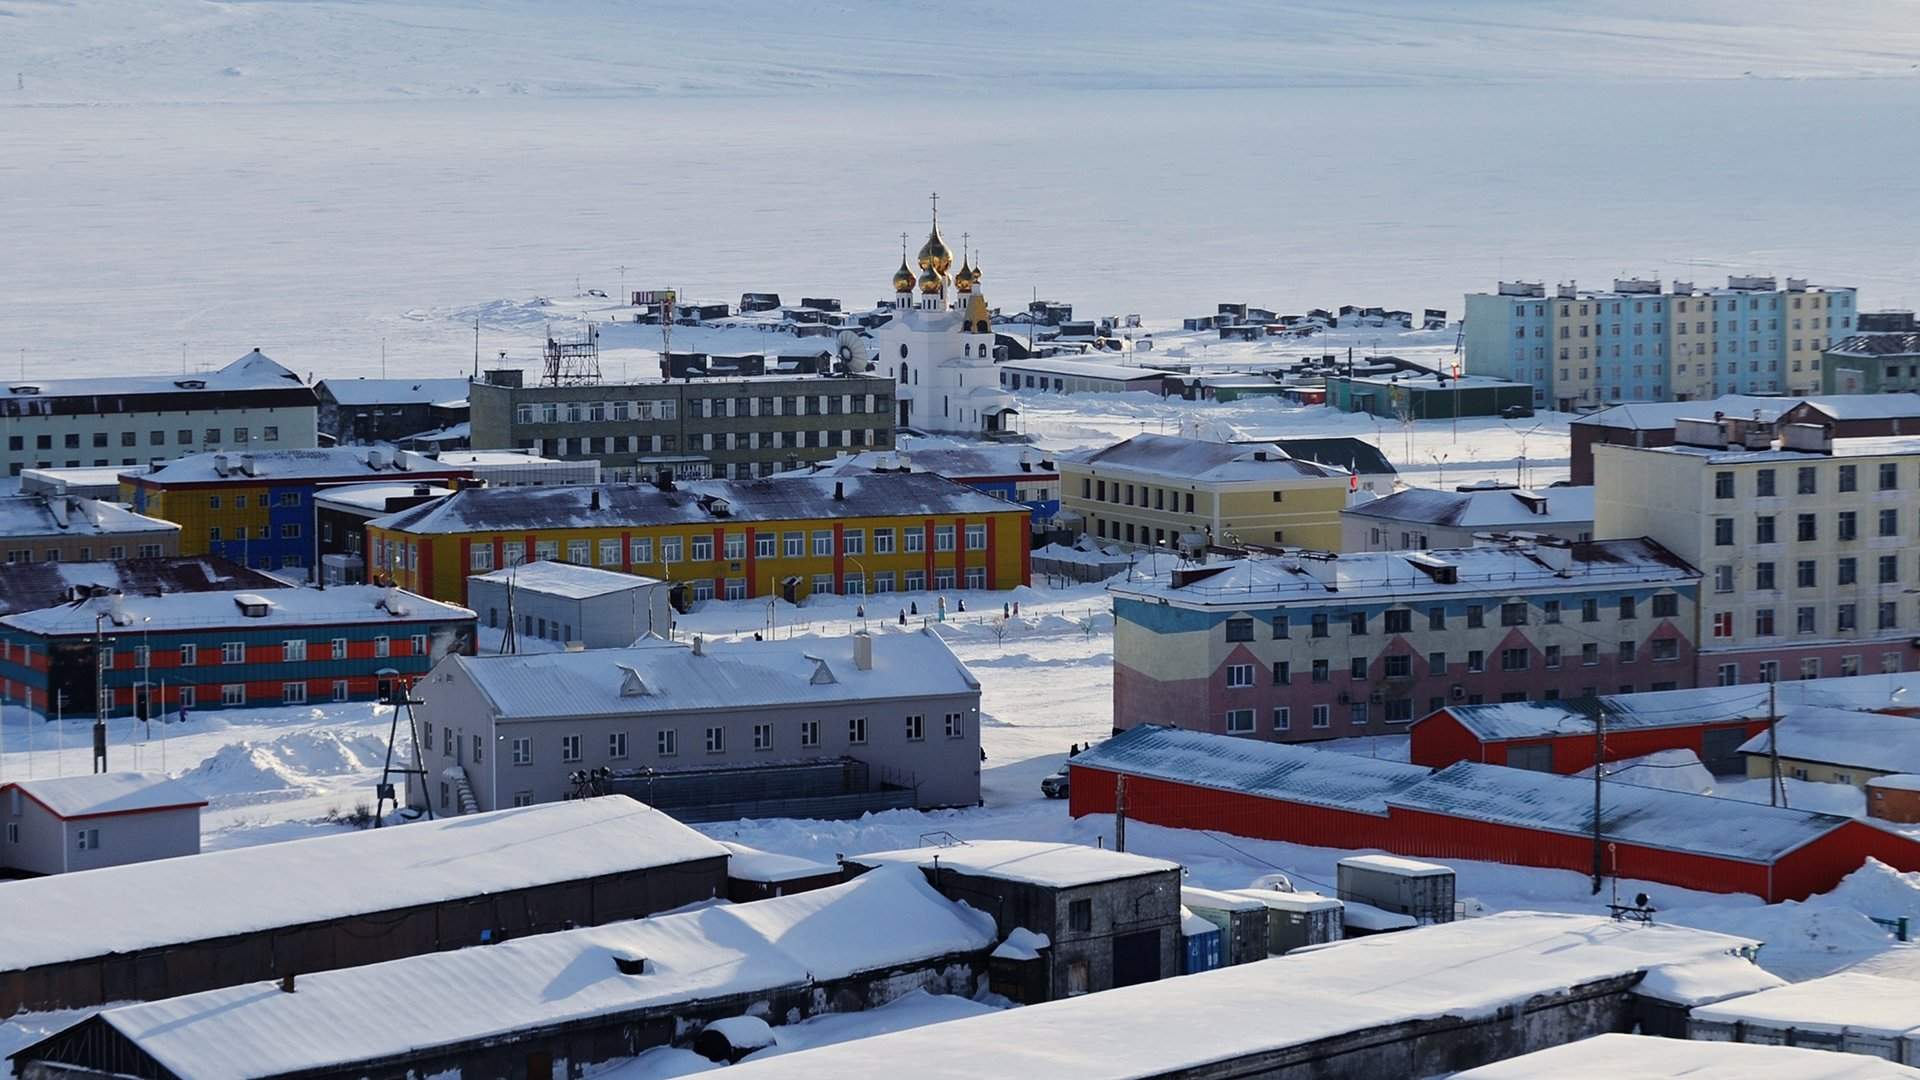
(1378, 697)
(1459, 691)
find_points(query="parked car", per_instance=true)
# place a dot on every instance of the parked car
(1055, 786)
(1516, 412)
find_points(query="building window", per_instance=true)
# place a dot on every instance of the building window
(1240, 722)
(666, 742)
(943, 538)
(956, 725)
(89, 839)
(1513, 659)
(1666, 606)
(233, 694)
(1397, 621)
(1282, 718)
(522, 750)
(233, 652)
(1282, 672)
(1516, 614)
(1281, 628)
(1322, 716)
(293, 693)
(293, 651)
(616, 745)
(1357, 623)
(857, 730)
(1080, 916)
(763, 736)
(809, 733)
(1319, 624)
(1239, 676)
(1476, 615)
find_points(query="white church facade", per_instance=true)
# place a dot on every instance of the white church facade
(938, 348)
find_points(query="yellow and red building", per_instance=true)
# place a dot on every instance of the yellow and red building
(732, 540)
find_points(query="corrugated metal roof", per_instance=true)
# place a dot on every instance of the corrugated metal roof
(1201, 459)
(1684, 708)
(30, 586)
(394, 391)
(270, 466)
(1876, 345)
(1649, 817)
(1254, 767)
(1870, 741)
(801, 498)
(87, 795)
(568, 580)
(1035, 862)
(254, 371)
(1500, 508)
(61, 515)
(731, 675)
(957, 463)
(342, 605)
(1650, 415)
(67, 917)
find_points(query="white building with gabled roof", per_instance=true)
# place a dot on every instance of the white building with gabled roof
(56, 824)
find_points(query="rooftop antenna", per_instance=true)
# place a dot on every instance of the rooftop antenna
(476, 348)
(401, 698)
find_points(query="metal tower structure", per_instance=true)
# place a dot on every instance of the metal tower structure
(403, 699)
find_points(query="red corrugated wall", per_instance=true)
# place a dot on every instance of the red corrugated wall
(1819, 865)
(1184, 806)
(1439, 740)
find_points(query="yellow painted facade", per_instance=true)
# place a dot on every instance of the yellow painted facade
(209, 519)
(735, 559)
(1155, 512)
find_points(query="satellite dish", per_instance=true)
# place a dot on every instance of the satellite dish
(851, 350)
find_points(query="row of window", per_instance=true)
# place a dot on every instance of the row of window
(1806, 573)
(1681, 307)
(1806, 527)
(292, 651)
(1400, 620)
(792, 544)
(239, 502)
(1241, 676)
(117, 551)
(288, 531)
(1806, 620)
(182, 437)
(1769, 670)
(1806, 480)
(1242, 721)
(714, 739)
(1159, 497)
(596, 412)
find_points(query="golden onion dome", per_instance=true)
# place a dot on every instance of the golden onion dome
(978, 318)
(931, 281)
(934, 254)
(963, 278)
(973, 271)
(903, 278)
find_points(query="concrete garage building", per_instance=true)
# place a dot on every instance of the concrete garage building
(552, 1005)
(556, 601)
(1425, 1002)
(66, 941)
(60, 824)
(1108, 918)
(822, 727)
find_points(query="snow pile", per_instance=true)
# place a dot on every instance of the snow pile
(1024, 944)
(1826, 932)
(1701, 982)
(1881, 891)
(1668, 770)
(289, 762)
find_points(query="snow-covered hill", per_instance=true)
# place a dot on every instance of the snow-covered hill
(75, 51)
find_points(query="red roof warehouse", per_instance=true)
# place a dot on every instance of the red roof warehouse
(1271, 791)
(1711, 721)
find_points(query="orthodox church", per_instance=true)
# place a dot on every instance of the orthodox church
(938, 347)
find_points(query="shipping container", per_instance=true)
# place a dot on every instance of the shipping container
(1296, 919)
(1420, 889)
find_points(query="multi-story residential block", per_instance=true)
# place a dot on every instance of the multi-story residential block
(693, 429)
(1155, 491)
(1805, 544)
(1413, 519)
(372, 411)
(1015, 473)
(521, 727)
(258, 508)
(213, 650)
(720, 539)
(1298, 648)
(251, 404)
(68, 528)
(1653, 423)
(1642, 342)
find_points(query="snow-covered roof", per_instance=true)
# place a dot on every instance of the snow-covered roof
(1500, 508)
(1848, 1001)
(1217, 899)
(64, 515)
(254, 371)
(704, 502)
(1276, 900)
(1643, 816)
(956, 463)
(75, 916)
(27, 586)
(1394, 864)
(1651, 415)
(281, 466)
(1032, 862)
(1650, 1057)
(1897, 782)
(1707, 981)
(1891, 406)
(1508, 567)
(341, 605)
(1684, 708)
(1865, 446)
(1470, 968)
(365, 391)
(669, 677)
(569, 580)
(483, 458)
(1202, 460)
(373, 497)
(1254, 767)
(753, 864)
(1085, 369)
(1878, 742)
(98, 794)
(449, 999)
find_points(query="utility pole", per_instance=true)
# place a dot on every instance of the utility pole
(1120, 813)
(1599, 760)
(1776, 787)
(99, 697)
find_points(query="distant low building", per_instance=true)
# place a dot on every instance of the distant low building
(252, 403)
(824, 727)
(1427, 396)
(562, 602)
(68, 528)
(1419, 518)
(83, 822)
(1835, 746)
(372, 411)
(1081, 377)
(518, 468)
(1872, 364)
(341, 515)
(1160, 491)
(1015, 473)
(213, 650)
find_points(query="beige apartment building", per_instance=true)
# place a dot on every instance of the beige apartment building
(1806, 544)
(1159, 491)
